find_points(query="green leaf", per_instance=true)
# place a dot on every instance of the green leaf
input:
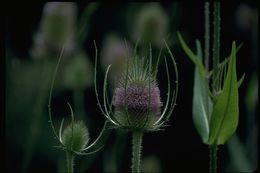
(192, 56)
(224, 119)
(202, 104)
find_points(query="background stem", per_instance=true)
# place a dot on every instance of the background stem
(136, 150)
(37, 114)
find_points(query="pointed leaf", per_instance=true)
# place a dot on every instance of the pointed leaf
(202, 105)
(224, 119)
(192, 56)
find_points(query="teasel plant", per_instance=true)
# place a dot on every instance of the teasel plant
(75, 138)
(215, 92)
(136, 104)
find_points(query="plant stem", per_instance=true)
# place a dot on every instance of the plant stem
(213, 158)
(207, 37)
(136, 151)
(216, 39)
(206, 50)
(70, 161)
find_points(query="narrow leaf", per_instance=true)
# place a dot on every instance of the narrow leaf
(224, 119)
(192, 56)
(202, 105)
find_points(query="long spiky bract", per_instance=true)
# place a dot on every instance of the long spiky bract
(50, 96)
(95, 86)
(125, 84)
(95, 81)
(157, 63)
(72, 125)
(159, 121)
(58, 135)
(165, 117)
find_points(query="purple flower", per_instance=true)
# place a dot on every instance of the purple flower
(138, 99)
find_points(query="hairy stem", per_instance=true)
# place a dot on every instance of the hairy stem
(216, 39)
(136, 151)
(213, 158)
(206, 36)
(70, 161)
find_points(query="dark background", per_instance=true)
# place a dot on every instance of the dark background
(179, 147)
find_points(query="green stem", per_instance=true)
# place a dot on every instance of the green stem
(216, 36)
(70, 161)
(213, 158)
(136, 151)
(216, 39)
(206, 50)
(207, 37)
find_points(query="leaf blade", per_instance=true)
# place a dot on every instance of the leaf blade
(192, 56)
(225, 112)
(202, 105)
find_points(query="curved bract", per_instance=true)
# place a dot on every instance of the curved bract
(75, 137)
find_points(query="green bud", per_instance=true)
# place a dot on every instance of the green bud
(75, 137)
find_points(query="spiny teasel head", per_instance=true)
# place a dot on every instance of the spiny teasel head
(136, 102)
(137, 99)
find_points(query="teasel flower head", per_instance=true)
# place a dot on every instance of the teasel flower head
(136, 103)
(151, 24)
(56, 29)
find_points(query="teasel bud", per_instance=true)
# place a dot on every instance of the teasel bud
(136, 103)
(75, 136)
